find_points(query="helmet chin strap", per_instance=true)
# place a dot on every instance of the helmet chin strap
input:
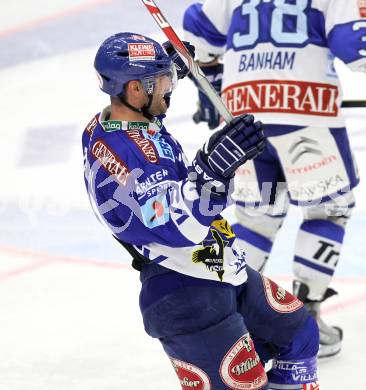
(144, 110)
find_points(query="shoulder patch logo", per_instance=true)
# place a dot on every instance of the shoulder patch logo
(190, 376)
(109, 160)
(146, 147)
(241, 367)
(278, 298)
(92, 125)
(162, 146)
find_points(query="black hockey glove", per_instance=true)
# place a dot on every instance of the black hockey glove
(206, 111)
(182, 69)
(215, 164)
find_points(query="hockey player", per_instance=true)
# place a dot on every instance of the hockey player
(217, 319)
(277, 62)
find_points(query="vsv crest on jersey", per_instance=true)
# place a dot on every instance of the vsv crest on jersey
(212, 254)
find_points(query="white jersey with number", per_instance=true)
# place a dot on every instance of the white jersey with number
(278, 54)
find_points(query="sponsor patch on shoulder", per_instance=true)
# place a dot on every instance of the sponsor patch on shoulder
(146, 147)
(141, 52)
(92, 125)
(190, 376)
(241, 367)
(162, 146)
(110, 161)
(278, 298)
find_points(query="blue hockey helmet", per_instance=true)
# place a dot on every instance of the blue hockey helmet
(127, 56)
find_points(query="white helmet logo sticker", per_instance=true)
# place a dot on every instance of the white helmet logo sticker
(141, 52)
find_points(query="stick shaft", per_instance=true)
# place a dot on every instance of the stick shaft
(353, 103)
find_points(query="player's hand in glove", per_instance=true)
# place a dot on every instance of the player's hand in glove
(215, 164)
(206, 111)
(182, 69)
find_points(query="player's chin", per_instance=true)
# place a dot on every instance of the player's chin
(164, 109)
(160, 108)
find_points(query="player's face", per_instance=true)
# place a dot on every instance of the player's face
(163, 88)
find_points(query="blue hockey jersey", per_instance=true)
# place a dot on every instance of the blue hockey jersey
(136, 178)
(278, 54)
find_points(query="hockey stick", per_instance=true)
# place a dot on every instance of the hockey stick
(188, 60)
(353, 103)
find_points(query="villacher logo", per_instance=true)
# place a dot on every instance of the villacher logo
(241, 367)
(278, 298)
(190, 376)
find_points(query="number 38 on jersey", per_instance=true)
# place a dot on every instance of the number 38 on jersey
(275, 21)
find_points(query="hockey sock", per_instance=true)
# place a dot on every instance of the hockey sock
(317, 250)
